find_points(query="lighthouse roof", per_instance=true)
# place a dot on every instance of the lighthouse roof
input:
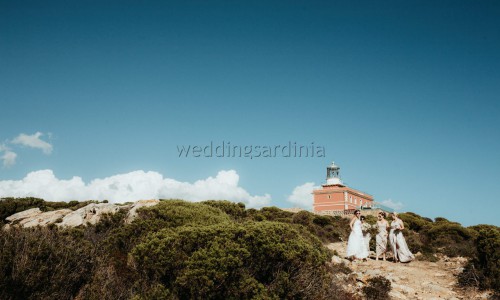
(333, 166)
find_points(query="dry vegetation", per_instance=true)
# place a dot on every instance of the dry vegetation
(212, 249)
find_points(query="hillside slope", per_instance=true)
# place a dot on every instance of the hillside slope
(416, 280)
(174, 249)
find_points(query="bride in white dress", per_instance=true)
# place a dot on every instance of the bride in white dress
(397, 240)
(356, 248)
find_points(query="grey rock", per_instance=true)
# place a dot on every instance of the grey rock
(35, 217)
(90, 214)
(23, 215)
(132, 213)
(45, 218)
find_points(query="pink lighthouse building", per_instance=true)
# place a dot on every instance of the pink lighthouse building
(335, 198)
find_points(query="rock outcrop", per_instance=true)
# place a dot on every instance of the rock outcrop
(87, 215)
(17, 217)
(45, 218)
(90, 214)
(132, 213)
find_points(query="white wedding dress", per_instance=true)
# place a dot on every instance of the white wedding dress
(356, 246)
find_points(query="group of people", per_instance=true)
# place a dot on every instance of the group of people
(358, 245)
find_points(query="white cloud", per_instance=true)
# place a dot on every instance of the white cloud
(33, 141)
(8, 157)
(302, 195)
(130, 187)
(391, 204)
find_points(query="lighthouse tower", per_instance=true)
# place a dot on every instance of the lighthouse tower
(333, 175)
(335, 198)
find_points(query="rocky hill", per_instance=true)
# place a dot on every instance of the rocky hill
(173, 249)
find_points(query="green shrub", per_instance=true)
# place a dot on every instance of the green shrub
(378, 288)
(234, 210)
(441, 219)
(484, 270)
(166, 214)
(174, 213)
(270, 214)
(413, 221)
(303, 218)
(323, 221)
(449, 238)
(263, 259)
(453, 231)
(327, 228)
(488, 249)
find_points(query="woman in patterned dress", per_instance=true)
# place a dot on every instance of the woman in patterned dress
(381, 238)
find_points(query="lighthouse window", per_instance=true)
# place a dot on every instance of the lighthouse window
(329, 196)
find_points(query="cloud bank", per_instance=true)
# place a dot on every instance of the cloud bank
(302, 195)
(131, 186)
(33, 141)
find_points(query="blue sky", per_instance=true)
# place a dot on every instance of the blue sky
(404, 96)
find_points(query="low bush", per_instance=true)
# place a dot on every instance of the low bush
(483, 270)
(414, 221)
(378, 288)
(235, 210)
(41, 263)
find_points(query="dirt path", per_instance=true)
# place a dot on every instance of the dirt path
(415, 280)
